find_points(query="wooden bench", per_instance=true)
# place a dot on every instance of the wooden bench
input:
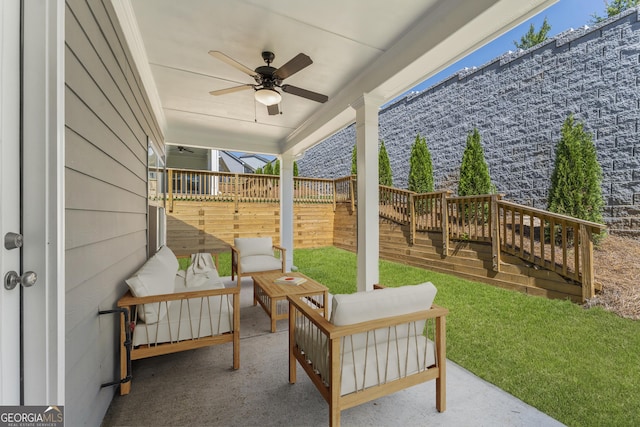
(184, 319)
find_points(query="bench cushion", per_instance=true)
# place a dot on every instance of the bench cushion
(189, 319)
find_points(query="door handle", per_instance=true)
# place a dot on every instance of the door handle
(12, 279)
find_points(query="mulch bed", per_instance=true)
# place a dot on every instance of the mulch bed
(617, 268)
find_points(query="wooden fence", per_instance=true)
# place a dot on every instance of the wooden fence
(555, 242)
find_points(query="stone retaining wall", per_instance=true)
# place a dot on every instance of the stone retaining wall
(518, 102)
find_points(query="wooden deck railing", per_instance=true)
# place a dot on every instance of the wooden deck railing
(470, 218)
(556, 242)
(185, 184)
(395, 204)
(559, 243)
(313, 190)
(344, 190)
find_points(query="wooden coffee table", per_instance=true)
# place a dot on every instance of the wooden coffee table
(273, 298)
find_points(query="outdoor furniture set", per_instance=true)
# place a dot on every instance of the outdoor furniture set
(355, 348)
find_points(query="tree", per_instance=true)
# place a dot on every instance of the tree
(295, 168)
(259, 171)
(420, 167)
(354, 161)
(276, 168)
(385, 176)
(474, 172)
(384, 165)
(577, 176)
(268, 169)
(532, 38)
(614, 7)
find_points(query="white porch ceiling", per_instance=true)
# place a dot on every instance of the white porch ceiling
(378, 47)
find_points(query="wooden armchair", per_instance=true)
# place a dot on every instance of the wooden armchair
(251, 255)
(376, 343)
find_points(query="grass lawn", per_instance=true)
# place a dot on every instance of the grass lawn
(582, 367)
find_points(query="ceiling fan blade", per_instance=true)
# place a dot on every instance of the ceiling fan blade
(235, 64)
(314, 96)
(230, 90)
(273, 109)
(296, 64)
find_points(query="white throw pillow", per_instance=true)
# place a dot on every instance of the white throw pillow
(167, 256)
(249, 246)
(155, 277)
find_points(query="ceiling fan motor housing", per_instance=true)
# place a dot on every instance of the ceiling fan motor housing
(265, 76)
(268, 57)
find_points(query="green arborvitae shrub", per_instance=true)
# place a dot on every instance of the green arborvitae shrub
(385, 176)
(295, 168)
(276, 168)
(474, 172)
(577, 176)
(420, 167)
(354, 161)
(259, 171)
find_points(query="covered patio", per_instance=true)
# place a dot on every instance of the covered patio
(122, 79)
(362, 55)
(199, 388)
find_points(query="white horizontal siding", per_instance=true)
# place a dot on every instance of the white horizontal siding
(108, 118)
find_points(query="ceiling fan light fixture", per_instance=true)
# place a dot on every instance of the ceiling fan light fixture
(268, 96)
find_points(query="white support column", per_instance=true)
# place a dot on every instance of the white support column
(286, 206)
(214, 166)
(368, 229)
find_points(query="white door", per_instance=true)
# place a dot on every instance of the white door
(42, 145)
(32, 201)
(9, 198)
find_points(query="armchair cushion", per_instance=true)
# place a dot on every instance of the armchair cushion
(255, 263)
(348, 309)
(249, 246)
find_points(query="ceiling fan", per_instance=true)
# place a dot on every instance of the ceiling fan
(182, 149)
(269, 78)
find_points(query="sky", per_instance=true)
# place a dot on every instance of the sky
(561, 16)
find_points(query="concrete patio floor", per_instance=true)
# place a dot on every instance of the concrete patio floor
(199, 388)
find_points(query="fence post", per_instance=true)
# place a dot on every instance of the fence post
(495, 232)
(236, 193)
(351, 193)
(170, 188)
(335, 192)
(586, 247)
(412, 218)
(445, 224)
